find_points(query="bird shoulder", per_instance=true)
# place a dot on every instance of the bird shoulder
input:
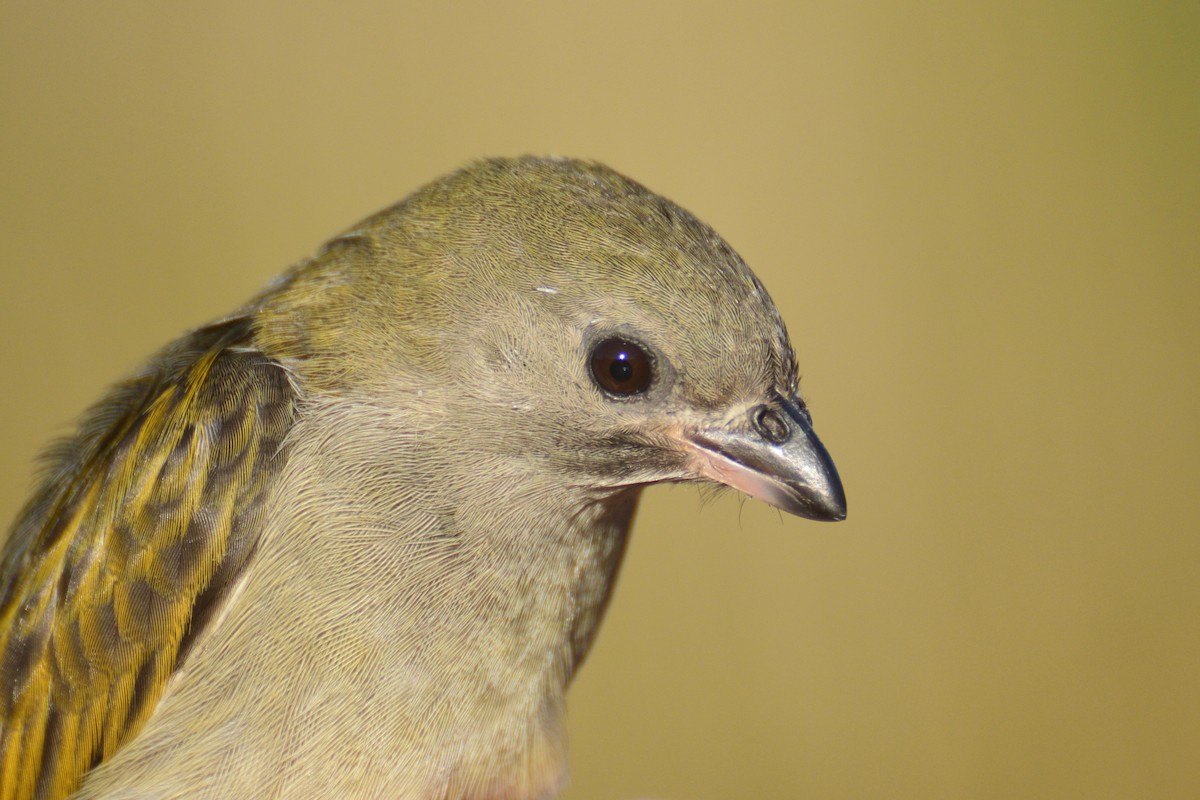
(140, 528)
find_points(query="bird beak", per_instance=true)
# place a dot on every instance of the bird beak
(773, 455)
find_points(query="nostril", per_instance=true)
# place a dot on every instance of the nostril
(770, 425)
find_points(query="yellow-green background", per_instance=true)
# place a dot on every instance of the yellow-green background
(980, 220)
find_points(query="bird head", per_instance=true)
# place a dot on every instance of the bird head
(555, 313)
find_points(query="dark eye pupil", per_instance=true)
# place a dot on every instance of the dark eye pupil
(621, 367)
(621, 370)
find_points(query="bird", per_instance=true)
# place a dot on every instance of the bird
(354, 539)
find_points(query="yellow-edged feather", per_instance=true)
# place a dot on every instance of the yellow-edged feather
(141, 526)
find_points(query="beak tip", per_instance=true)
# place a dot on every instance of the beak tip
(837, 501)
(827, 504)
(837, 514)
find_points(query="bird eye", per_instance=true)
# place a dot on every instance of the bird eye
(621, 367)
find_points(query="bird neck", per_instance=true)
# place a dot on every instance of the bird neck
(497, 550)
(457, 590)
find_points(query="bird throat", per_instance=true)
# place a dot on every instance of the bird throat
(484, 602)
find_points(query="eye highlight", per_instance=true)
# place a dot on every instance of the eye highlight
(621, 367)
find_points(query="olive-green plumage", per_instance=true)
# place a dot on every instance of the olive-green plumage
(354, 540)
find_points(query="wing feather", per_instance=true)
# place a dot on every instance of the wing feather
(143, 523)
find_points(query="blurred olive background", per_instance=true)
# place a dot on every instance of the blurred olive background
(982, 225)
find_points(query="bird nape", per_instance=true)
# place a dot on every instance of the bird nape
(354, 539)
